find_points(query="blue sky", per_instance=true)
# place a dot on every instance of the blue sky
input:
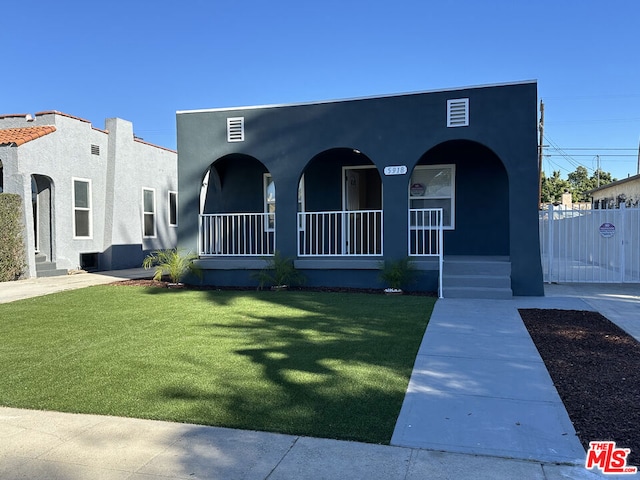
(145, 60)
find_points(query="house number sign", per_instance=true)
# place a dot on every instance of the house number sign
(395, 170)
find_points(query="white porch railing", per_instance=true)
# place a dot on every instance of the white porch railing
(425, 232)
(425, 236)
(340, 233)
(242, 234)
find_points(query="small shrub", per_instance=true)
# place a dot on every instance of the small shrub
(173, 263)
(279, 271)
(12, 254)
(398, 273)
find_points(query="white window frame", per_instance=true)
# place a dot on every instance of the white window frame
(301, 203)
(75, 208)
(145, 213)
(458, 112)
(452, 197)
(235, 129)
(265, 183)
(174, 193)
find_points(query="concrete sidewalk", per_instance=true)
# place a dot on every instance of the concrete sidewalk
(480, 404)
(61, 446)
(36, 287)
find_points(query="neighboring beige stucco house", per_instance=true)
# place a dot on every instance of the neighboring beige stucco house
(625, 191)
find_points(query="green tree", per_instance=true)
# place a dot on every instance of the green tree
(578, 183)
(553, 187)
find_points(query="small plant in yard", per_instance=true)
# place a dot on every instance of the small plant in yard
(173, 263)
(397, 274)
(279, 272)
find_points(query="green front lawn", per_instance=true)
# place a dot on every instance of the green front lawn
(308, 363)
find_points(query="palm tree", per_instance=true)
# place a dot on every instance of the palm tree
(173, 263)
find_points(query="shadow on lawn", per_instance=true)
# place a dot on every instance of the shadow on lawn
(338, 367)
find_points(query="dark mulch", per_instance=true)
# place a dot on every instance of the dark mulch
(595, 366)
(164, 284)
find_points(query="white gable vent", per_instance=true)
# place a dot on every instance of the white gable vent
(95, 149)
(235, 129)
(458, 112)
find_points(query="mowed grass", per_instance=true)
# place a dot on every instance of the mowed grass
(332, 365)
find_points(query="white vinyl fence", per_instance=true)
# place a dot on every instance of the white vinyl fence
(597, 246)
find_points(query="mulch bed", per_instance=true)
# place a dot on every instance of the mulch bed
(595, 366)
(164, 284)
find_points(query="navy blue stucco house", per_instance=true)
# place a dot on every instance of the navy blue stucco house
(449, 174)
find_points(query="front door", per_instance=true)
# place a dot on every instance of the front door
(362, 199)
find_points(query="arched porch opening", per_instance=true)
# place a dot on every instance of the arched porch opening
(470, 183)
(340, 205)
(237, 208)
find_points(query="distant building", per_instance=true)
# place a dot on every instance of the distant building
(94, 199)
(614, 194)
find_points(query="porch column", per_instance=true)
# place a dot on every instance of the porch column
(286, 215)
(395, 207)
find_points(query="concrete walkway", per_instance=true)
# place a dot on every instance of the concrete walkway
(36, 287)
(480, 386)
(480, 404)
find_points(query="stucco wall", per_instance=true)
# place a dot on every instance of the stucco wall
(499, 197)
(117, 175)
(611, 194)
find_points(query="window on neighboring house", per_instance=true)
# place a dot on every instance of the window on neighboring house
(81, 208)
(173, 209)
(433, 186)
(269, 202)
(149, 212)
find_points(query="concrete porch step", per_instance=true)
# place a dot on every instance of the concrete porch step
(464, 265)
(494, 281)
(478, 292)
(45, 268)
(477, 277)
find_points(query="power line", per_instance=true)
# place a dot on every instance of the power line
(585, 155)
(598, 148)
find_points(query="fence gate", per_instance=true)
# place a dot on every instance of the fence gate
(598, 246)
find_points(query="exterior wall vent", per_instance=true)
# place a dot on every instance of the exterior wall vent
(95, 149)
(235, 129)
(458, 112)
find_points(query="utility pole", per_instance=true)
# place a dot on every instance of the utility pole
(638, 168)
(540, 145)
(598, 169)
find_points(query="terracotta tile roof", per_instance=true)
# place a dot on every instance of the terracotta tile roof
(19, 136)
